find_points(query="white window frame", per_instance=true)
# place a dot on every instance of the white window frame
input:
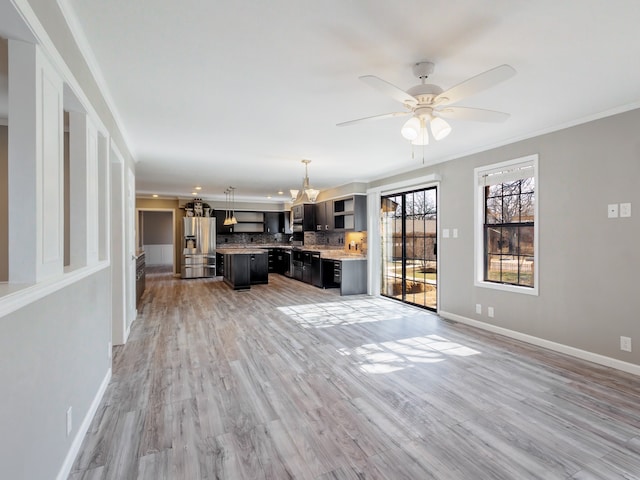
(480, 174)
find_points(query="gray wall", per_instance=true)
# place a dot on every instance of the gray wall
(54, 351)
(49, 362)
(158, 228)
(588, 264)
(4, 206)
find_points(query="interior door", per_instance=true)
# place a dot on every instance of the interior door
(409, 247)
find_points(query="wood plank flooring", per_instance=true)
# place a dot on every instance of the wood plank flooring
(291, 381)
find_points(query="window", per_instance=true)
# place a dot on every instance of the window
(506, 225)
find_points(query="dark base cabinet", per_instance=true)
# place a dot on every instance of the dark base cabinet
(241, 270)
(316, 270)
(258, 268)
(220, 264)
(328, 273)
(140, 277)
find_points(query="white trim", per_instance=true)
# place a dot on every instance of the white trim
(22, 297)
(478, 236)
(541, 342)
(65, 469)
(418, 182)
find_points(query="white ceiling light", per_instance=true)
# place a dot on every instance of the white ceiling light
(439, 128)
(411, 128)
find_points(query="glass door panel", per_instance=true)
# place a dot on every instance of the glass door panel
(409, 250)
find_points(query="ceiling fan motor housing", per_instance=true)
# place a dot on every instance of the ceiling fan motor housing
(425, 93)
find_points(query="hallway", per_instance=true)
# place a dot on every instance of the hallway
(291, 381)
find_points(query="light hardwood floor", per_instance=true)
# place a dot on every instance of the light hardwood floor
(291, 381)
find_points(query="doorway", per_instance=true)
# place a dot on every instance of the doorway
(156, 237)
(409, 247)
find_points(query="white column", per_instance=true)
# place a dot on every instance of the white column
(83, 190)
(36, 213)
(373, 242)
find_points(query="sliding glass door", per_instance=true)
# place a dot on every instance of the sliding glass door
(409, 247)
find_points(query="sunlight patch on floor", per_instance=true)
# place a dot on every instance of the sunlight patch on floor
(350, 312)
(394, 355)
(382, 357)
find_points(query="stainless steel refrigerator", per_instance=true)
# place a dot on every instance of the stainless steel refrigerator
(199, 247)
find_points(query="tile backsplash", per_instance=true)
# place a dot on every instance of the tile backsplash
(253, 238)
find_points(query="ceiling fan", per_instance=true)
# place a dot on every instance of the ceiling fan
(429, 105)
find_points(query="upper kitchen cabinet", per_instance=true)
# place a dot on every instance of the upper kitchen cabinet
(276, 222)
(324, 216)
(350, 213)
(248, 222)
(304, 214)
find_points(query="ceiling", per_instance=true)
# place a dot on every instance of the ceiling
(223, 93)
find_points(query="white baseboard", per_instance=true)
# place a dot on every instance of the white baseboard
(541, 342)
(82, 430)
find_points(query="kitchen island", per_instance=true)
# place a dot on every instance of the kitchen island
(244, 267)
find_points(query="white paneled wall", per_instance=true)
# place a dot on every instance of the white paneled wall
(159, 254)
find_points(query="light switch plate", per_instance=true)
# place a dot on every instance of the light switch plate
(625, 210)
(455, 233)
(445, 233)
(612, 210)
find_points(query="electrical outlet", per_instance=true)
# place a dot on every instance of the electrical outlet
(612, 210)
(490, 312)
(69, 420)
(625, 210)
(478, 309)
(625, 344)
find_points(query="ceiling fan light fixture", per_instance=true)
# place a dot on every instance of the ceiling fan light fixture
(439, 128)
(411, 128)
(422, 138)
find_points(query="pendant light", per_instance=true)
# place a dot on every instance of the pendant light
(227, 219)
(233, 219)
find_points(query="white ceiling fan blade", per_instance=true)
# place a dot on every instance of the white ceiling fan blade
(476, 84)
(389, 89)
(375, 117)
(473, 114)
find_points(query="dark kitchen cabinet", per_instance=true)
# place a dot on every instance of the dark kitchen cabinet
(140, 277)
(328, 270)
(241, 270)
(306, 267)
(324, 216)
(220, 264)
(237, 271)
(276, 261)
(258, 268)
(316, 270)
(274, 222)
(304, 214)
(220, 226)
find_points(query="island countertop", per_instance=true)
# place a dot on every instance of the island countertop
(241, 251)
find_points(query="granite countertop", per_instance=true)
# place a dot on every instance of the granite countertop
(252, 246)
(241, 251)
(341, 255)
